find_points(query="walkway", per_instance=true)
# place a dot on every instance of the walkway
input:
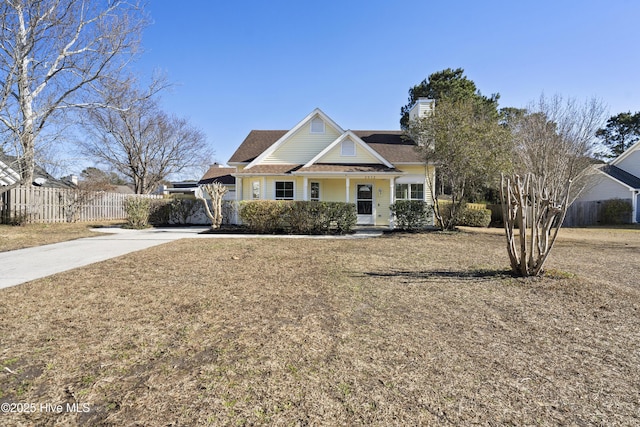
(28, 264)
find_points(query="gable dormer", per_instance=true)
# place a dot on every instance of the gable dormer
(348, 149)
(303, 142)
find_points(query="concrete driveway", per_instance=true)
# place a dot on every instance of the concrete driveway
(28, 264)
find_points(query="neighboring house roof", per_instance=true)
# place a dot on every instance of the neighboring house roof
(622, 176)
(219, 174)
(391, 145)
(40, 176)
(626, 153)
(122, 189)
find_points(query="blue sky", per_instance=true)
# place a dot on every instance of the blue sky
(242, 65)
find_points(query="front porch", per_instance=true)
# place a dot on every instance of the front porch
(371, 194)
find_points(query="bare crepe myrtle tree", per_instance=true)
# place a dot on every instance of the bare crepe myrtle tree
(216, 192)
(138, 139)
(52, 53)
(554, 142)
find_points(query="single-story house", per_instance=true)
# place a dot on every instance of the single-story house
(619, 179)
(319, 160)
(9, 175)
(223, 175)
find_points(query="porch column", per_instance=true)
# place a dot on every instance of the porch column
(236, 215)
(305, 190)
(263, 190)
(348, 184)
(238, 189)
(392, 194)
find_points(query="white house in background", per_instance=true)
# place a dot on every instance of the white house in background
(223, 175)
(9, 175)
(319, 160)
(619, 179)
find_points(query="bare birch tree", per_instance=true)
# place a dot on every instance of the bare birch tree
(139, 140)
(52, 53)
(554, 142)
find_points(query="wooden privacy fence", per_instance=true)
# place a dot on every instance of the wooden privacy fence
(39, 204)
(579, 214)
(582, 214)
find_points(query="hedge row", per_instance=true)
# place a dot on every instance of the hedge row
(142, 212)
(616, 211)
(298, 217)
(468, 216)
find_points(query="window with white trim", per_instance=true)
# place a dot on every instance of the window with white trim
(317, 125)
(255, 190)
(284, 190)
(315, 191)
(348, 148)
(409, 191)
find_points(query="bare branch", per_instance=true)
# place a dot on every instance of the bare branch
(140, 140)
(52, 54)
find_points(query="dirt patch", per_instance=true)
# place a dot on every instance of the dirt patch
(398, 330)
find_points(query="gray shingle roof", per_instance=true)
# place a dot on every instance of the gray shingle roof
(622, 175)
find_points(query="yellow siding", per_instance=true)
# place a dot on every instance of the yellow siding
(247, 187)
(302, 146)
(332, 190)
(335, 156)
(268, 186)
(412, 169)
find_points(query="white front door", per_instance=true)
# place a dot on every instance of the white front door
(364, 204)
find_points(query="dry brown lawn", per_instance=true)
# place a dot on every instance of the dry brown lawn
(25, 236)
(400, 330)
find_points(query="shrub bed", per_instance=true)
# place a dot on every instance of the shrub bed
(137, 210)
(470, 215)
(474, 217)
(411, 215)
(298, 217)
(616, 211)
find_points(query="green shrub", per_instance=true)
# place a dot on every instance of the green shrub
(182, 208)
(474, 217)
(343, 216)
(469, 214)
(137, 210)
(298, 217)
(411, 214)
(616, 211)
(263, 216)
(308, 218)
(159, 211)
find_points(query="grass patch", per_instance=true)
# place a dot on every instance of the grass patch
(403, 329)
(25, 236)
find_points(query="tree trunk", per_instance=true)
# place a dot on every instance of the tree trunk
(528, 205)
(216, 192)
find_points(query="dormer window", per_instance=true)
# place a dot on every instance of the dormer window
(317, 125)
(348, 148)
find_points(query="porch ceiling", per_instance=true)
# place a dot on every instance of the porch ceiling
(348, 168)
(269, 170)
